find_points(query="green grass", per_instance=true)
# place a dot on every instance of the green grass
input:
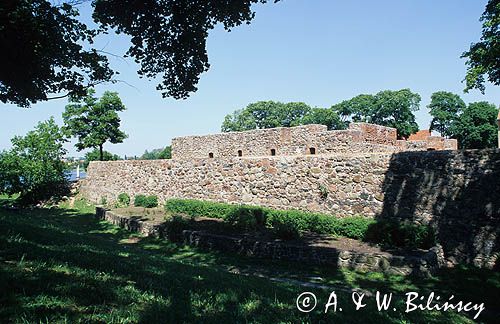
(63, 265)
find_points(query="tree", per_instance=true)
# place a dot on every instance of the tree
(42, 52)
(34, 166)
(158, 154)
(445, 109)
(43, 43)
(94, 121)
(386, 108)
(476, 127)
(324, 116)
(483, 57)
(356, 109)
(95, 155)
(266, 114)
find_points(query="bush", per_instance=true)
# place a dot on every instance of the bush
(198, 208)
(292, 224)
(123, 199)
(391, 233)
(247, 217)
(175, 226)
(145, 201)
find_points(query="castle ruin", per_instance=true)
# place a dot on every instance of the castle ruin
(303, 140)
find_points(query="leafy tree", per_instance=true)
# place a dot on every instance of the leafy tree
(42, 43)
(42, 52)
(95, 155)
(324, 116)
(445, 109)
(386, 108)
(158, 154)
(483, 57)
(356, 109)
(94, 121)
(476, 127)
(34, 166)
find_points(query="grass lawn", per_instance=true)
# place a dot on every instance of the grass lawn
(63, 265)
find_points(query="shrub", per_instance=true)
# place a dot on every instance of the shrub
(198, 208)
(103, 201)
(175, 226)
(291, 224)
(123, 199)
(287, 224)
(146, 201)
(139, 200)
(247, 217)
(392, 233)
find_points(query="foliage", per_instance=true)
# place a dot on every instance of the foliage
(157, 154)
(61, 265)
(270, 114)
(386, 108)
(44, 45)
(292, 224)
(123, 199)
(34, 167)
(482, 57)
(174, 227)
(145, 201)
(391, 233)
(94, 121)
(247, 217)
(476, 127)
(323, 116)
(197, 208)
(445, 107)
(43, 52)
(94, 155)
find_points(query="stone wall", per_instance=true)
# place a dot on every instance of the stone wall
(300, 140)
(457, 192)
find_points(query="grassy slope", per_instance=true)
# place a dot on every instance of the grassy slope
(64, 265)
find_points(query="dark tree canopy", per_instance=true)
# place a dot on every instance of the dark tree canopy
(94, 121)
(270, 114)
(476, 127)
(43, 53)
(483, 57)
(46, 49)
(445, 107)
(387, 108)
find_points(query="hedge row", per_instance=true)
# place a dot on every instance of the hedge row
(289, 224)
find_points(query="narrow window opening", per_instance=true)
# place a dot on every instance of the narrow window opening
(211, 155)
(240, 153)
(312, 150)
(273, 152)
(431, 149)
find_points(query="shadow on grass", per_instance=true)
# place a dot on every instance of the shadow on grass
(65, 265)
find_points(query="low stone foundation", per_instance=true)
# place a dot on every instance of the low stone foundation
(418, 263)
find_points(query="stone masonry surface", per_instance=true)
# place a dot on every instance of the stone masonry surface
(289, 141)
(456, 192)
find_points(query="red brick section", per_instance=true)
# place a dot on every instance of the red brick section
(421, 135)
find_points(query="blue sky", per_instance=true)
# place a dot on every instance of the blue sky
(320, 52)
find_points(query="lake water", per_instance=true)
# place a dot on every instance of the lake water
(71, 175)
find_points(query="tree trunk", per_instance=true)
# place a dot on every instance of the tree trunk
(100, 153)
